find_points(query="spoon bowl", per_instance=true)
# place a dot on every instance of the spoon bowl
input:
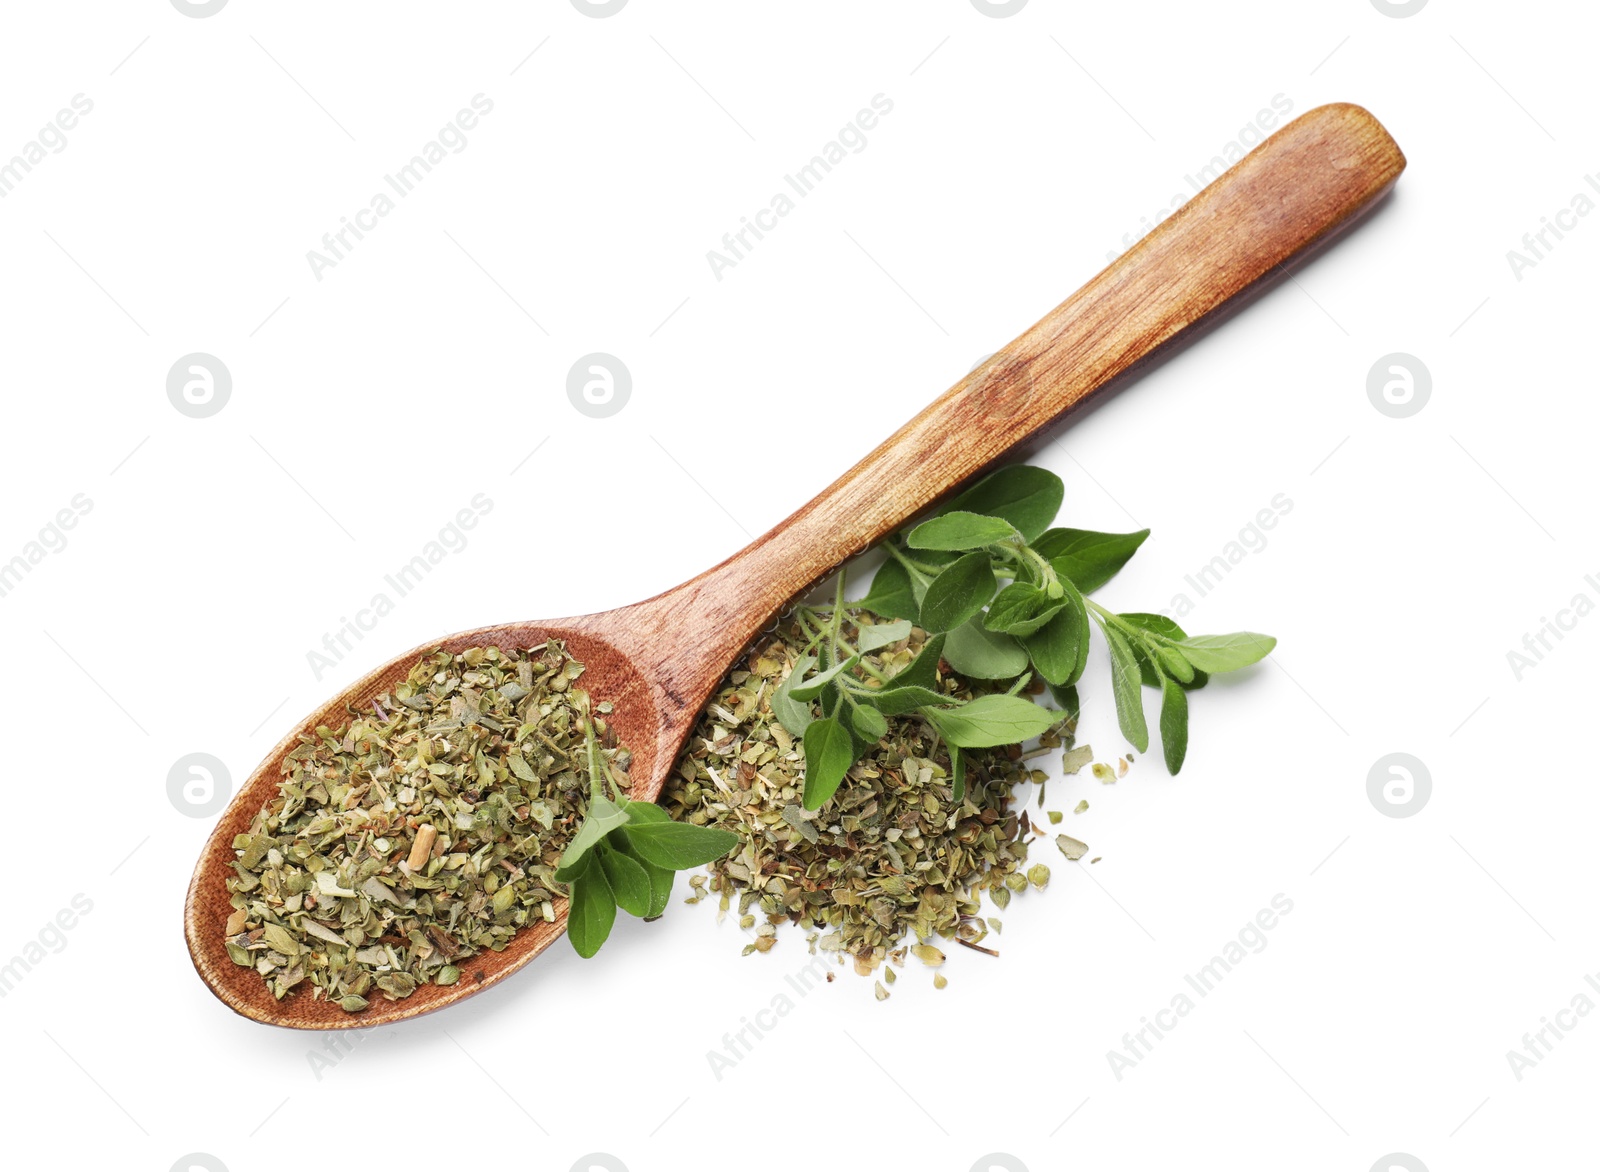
(609, 674)
(659, 661)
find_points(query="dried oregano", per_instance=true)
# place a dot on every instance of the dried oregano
(892, 854)
(421, 832)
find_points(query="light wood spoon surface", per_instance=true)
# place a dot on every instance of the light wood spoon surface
(659, 661)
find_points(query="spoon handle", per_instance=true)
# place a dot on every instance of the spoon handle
(1310, 178)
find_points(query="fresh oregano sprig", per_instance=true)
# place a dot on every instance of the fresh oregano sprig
(840, 715)
(1004, 596)
(624, 856)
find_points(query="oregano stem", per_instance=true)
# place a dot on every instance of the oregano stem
(1106, 616)
(925, 570)
(596, 762)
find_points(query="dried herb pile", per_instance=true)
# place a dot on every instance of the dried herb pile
(421, 832)
(893, 861)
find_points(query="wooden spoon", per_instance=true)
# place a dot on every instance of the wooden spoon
(659, 661)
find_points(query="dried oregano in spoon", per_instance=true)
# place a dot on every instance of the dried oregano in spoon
(423, 831)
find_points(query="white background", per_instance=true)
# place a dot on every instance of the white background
(369, 406)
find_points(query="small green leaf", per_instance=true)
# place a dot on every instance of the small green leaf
(568, 872)
(604, 816)
(1088, 559)
(829, 755)
(1025, 496)
(1125, 687)
(1158, 624)
(890, 596)
(592, 912)
(630, 885)
(868, 723)
(992, 720)
(1220, 653)
(791, 713)
(958, 773)
(1060, 649)
(808, 690)
(957, 531)
(923, 671)
(1021, 609)
(898, 699)
(1174, 724)
(882, 634)
(660, 877)
(962, 589)
(1066, 695)
(647, 812)
(1174, 664)
(984, 655)
(919, 590)
(678, 846)
(660, 888)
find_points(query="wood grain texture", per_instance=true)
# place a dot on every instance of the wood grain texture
(658, 661)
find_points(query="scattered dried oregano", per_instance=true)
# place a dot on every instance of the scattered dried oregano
(422, 831)
(1076, 758)
(892, 854)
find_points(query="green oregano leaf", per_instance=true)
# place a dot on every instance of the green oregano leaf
(1066, 695)
(959, 531)
(1059, 650)
(882, 634)
(1173, 663)
(1161, 625)
(660, 877)
(791, 713)
(993, 720)
(604, 816)
(630, 885)
(890, 596)
(919, 589)
(1221, 653)
(646, 812)
(962, 589)
(898, 699)
(829, 755)
(678, 846)
(1026, 496)
(983, 654)
(1021, 609)
(660, 888)
(1088, 559)
(591, 913)
(1125, 687)
(808, 690)
(1156, 624)
(1174, 724)
(869, 723)
(923, 671)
